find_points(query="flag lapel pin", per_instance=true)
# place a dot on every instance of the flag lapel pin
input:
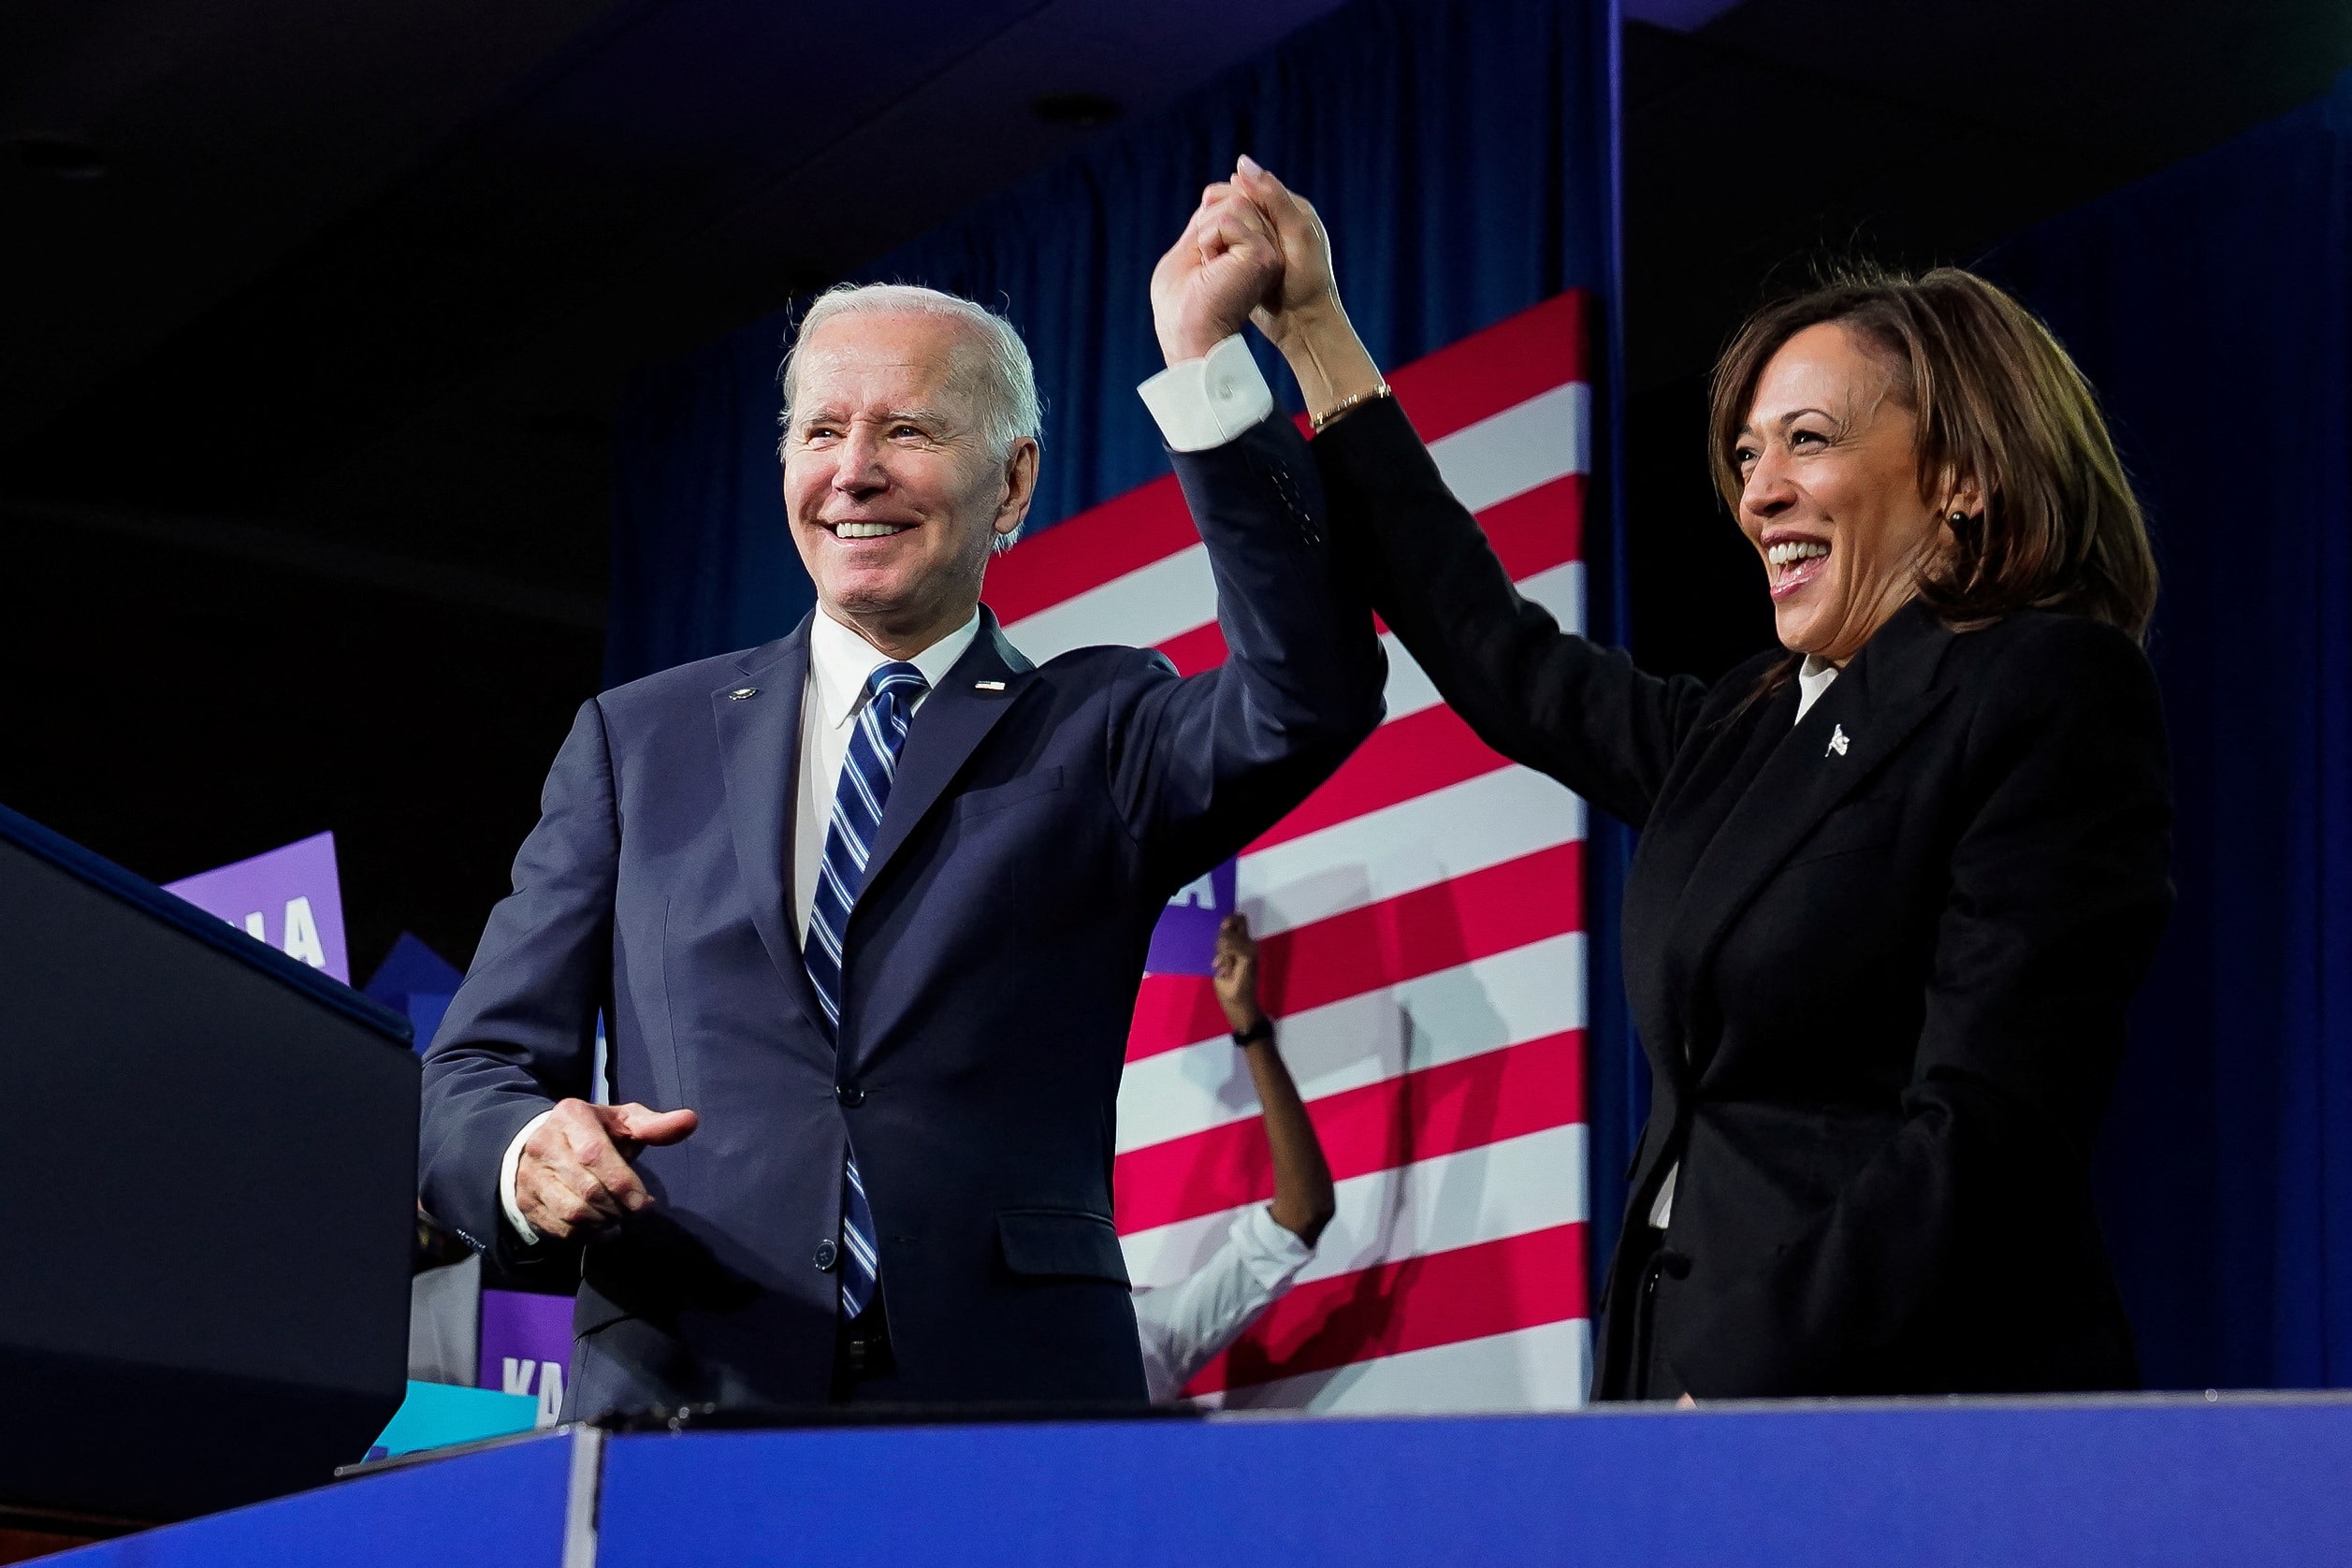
(988, 686)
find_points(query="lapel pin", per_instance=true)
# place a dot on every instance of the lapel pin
(1836, 740)
(988, 686)
(740, 693)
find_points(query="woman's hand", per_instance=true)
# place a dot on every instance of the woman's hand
(1304, 316)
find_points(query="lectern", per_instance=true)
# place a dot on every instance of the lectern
(207, 1158)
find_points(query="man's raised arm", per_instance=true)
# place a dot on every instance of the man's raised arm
(1205, 765)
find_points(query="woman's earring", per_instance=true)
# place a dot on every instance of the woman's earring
(1959, 520)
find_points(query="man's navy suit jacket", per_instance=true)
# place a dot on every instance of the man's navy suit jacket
(1032, 838)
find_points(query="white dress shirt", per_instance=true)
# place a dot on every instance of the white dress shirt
(840, 660)
(1183, 1325)
(1811, 681)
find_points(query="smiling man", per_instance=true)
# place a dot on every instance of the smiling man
(866, 908)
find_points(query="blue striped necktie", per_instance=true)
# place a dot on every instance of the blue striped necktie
(857, 821)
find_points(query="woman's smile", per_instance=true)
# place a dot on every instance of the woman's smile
(1795, 562)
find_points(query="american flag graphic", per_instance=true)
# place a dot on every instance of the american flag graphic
(1422, 923)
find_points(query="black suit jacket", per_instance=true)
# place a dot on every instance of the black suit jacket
(1039, 822)
(1879, 959)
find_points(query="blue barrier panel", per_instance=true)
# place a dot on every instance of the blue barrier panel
(2147, 1481)
(498, 1508)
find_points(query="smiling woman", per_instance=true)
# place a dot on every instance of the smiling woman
(1880, 438)
(1896, 884)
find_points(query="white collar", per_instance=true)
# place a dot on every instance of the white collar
(1812, 680)
(840, 661)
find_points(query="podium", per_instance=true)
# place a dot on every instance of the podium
(210, 1168)
(2137, 1482)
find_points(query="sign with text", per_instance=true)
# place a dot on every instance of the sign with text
(289, 898)
(527, 1347)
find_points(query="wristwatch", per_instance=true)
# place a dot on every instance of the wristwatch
(1261, 1030)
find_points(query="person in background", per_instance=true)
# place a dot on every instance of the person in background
(1183, 1326)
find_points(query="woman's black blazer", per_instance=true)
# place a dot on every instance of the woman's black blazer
(1879, 959)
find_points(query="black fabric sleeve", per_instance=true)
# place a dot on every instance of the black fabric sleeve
(1554, 701)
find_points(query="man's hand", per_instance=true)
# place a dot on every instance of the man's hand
(574, 1175)
(1225, 265)
(1234, 971)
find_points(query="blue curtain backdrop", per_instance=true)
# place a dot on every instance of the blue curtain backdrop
(1463, 154)
(2209, 305)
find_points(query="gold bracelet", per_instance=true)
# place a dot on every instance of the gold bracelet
(1319, 423)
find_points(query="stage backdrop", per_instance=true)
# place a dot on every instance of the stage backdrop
(1422, 921)
(2212, 306)
(1460, 151)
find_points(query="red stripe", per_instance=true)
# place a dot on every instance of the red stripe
(1538, 529)
(1531, 532)
(1380, 945)
(1418, 1115)
(1417, 1304)
(1405, 759)
(1200, 649)
(1124, 534)
(1446, 391)
(1503, 366)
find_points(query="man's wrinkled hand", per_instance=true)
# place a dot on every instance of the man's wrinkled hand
(1225, 265)
(575, 1175)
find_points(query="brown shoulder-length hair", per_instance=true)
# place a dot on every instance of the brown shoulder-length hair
(1998, 401)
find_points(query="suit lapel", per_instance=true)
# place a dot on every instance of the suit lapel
(1872, 708)
(955, 719)
(759, 753)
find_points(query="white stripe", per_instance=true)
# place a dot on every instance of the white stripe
(1450, 1016)
(1146, 606)
(1401, 849)
(1548, 1367)
(1497, 1190)
(1559, 589)
(1546, 438)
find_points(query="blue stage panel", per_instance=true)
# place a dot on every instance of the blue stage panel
(2246, 1482)
(498, 1508)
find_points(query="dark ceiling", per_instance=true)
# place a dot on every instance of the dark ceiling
(313, 319)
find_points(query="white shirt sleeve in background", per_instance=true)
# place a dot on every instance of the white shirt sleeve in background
(1183, 1326)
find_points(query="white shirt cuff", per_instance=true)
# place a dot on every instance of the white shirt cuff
(1205, 403)
(506, 1166)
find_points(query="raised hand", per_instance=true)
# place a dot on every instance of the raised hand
(574, 1174)
(1234, 972)
(1307, 283)
(1222, 268)
(1303, 317)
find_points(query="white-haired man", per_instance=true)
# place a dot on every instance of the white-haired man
(866, 908)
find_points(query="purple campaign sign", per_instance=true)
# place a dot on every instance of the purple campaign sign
(289, 898)
(1186, 940)
(527, 1347)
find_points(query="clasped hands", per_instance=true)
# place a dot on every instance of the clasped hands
(1256, 251)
